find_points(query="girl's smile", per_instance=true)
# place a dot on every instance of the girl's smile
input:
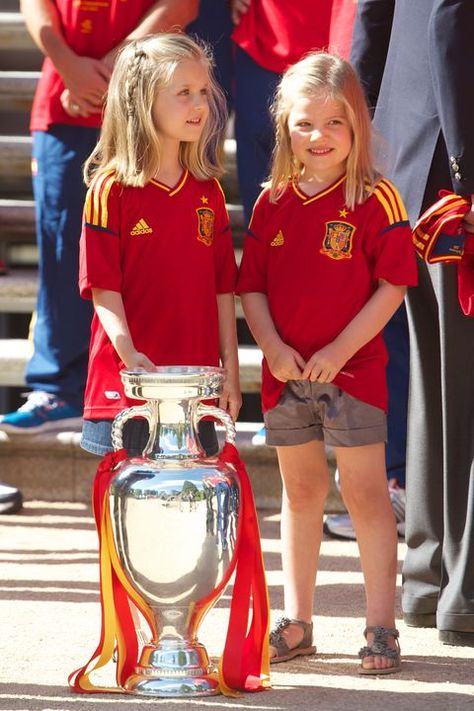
(321, 137)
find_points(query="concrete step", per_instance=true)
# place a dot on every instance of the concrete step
(15, 165)
(18, 291)
(53, 467)
(19, 287)
(17, 90)
(17, 220)
(14, 355)
(16, 352)
(17, 227)
(13, 33)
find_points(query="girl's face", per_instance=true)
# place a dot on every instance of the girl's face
(321, 137)
(181, 108)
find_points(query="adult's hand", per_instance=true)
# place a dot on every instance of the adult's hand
(238, 8)
(86, 80)
(468, 220)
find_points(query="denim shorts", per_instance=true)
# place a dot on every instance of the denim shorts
(310, 411)
(96, 436)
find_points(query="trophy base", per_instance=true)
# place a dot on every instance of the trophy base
(173, 668)
(169, 687)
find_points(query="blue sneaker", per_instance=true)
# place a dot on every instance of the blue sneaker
(41, 412)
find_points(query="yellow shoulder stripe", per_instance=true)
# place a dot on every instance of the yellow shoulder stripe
(220, 188)
(390, 199)
(96, 209)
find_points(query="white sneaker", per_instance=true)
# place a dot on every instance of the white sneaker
(398, 499)
(11, 499)
(339, 526)
(259, 437)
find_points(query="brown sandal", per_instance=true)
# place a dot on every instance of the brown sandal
(380, 648)
(283, 652)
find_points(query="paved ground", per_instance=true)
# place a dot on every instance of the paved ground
(49, 622)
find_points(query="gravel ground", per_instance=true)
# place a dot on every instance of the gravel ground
(50, 615)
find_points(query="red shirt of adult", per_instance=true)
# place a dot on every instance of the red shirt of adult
(91, 28)
(279, 33)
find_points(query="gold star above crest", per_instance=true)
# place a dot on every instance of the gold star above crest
(204, 199)
(343, 212)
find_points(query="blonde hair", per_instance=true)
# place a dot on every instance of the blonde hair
(129, 143)
(321, 73)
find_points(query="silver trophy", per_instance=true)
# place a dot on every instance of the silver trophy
(175, 518)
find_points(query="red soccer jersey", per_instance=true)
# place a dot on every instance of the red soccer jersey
(91, 28)
(342, 22)
(277, 34)
(318, 264)
(168, 251)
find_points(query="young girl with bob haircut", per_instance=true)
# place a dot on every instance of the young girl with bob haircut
(327, 259)
(156, 252)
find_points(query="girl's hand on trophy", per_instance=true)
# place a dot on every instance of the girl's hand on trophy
(139, 361)
(231, 398)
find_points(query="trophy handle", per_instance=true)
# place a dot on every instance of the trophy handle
(123, 417)
(218, 414)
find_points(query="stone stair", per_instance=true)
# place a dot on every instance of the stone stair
(52, 466)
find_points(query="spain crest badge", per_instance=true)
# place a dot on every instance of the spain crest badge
(337, 243)
(205, 225)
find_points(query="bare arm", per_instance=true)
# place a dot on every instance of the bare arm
(163, 16)
(285, 363)
(238, 8)
(324, 365)
(111, 313)
(231, 399)
(84, 77)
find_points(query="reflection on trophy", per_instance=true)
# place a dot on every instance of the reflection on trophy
(175, 518)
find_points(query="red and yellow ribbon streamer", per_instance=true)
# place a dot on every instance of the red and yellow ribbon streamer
(244, 665)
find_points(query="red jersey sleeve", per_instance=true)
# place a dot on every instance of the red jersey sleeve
(390, 244)
(224, 257)
(253, 268)
(99, 261)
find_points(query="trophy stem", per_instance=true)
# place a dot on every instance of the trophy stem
(172, 430)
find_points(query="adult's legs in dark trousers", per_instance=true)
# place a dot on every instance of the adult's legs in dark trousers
(438, 572)
(214, 25)
(62, 328)
(254, 89)
(396, 340)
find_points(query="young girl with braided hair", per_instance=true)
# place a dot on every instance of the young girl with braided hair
(326, 262)
(156, 252)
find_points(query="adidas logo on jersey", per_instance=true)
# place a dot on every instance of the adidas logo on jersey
(278, 240)
(141, 228)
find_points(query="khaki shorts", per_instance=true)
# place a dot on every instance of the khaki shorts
(310, 411)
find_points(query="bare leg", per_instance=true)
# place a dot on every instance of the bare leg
(305, 478)
(365, 493)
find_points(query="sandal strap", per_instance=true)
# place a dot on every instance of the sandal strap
(379, 631)
(376, 651)
(277, 639)
(379, 646)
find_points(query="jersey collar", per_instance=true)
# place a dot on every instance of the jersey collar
(176, 188)
(307, 199)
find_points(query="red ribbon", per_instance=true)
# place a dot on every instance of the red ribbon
(244, 664)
